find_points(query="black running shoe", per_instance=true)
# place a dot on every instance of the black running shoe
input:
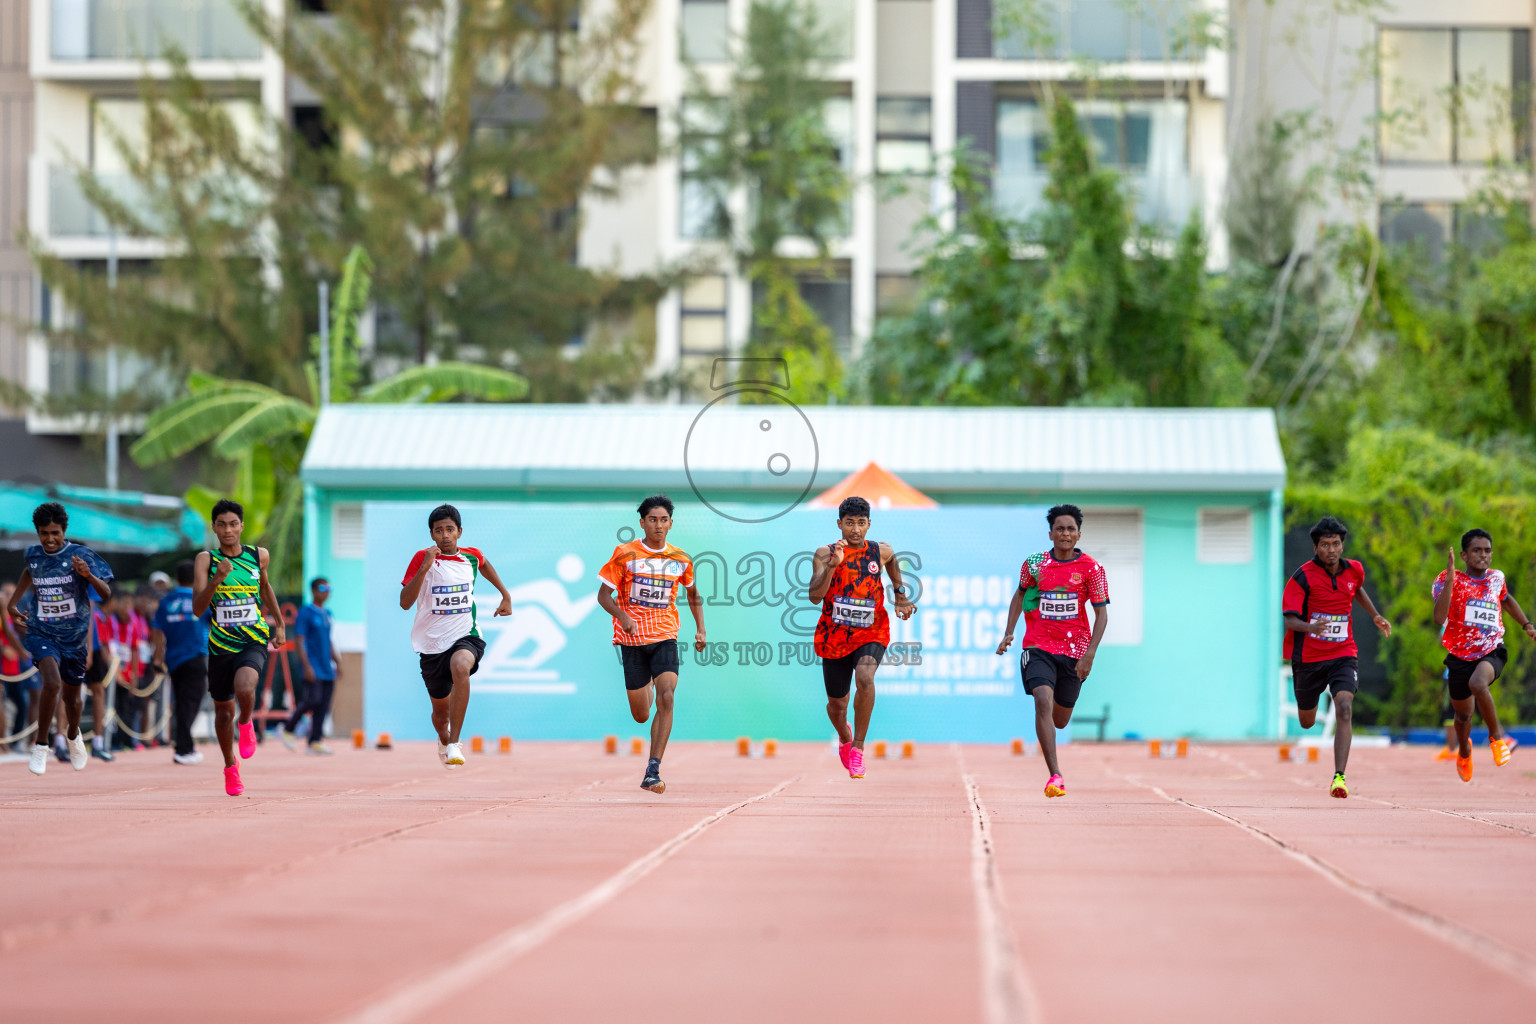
(652, 782)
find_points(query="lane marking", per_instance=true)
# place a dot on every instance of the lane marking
(1006, 991)
(414, 999)
(1484, 948)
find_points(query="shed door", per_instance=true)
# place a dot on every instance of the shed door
(1115, 537)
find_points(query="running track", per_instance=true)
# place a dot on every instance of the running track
(545, 886)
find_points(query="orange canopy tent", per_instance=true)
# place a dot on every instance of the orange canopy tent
(880, 488)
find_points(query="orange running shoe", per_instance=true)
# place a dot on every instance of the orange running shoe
(1501, 750)
(1446, 754)
(1464, 768)
(1055, 787)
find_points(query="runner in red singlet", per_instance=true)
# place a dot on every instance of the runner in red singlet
(854, 630)
(1470, 610)
(1058, 646)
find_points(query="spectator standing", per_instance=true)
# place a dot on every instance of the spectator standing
(321, 667)
(181, 651)
(14, 665)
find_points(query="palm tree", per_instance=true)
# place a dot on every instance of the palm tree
(263, 432)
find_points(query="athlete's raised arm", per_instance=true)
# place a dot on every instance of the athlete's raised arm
(489, 572)
(696, 605)
(412, 588)
(269, 596)
(1443, 599)
(202, 586)
(827, 558)
(904, 605)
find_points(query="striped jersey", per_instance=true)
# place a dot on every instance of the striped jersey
(647, 583)
(238, 624)
(445, 607)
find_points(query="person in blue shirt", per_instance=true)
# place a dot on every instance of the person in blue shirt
(321, 667)
(181, 652)
(59, 624)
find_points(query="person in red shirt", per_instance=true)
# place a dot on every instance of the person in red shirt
(645, 574)
(1058, 649)
(854, 629)
(1320, 638)
(1469, 609)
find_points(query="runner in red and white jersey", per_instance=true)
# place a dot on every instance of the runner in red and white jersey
(645, 575)
(1471, 610)
(1058, 648)
(854, 629)
(440, 582)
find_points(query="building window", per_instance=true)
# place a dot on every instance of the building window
(1145, 140)
(1116, 539)
(702, 196)
(704, 31)
(1099, 30)
(1224, 536)
(903, 135)
(1430, 227)
(703, 330)
(1454, 96)
(348, 537)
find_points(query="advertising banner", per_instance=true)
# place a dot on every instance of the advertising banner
(551, 671)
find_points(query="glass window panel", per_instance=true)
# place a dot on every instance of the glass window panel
(704, 293)
(1415, 95)
(903, 116)
(903, 156)
(835, 20)
(1103, 132)
(1138, 140)
(703, 333)
(832, 302)
(700, 204)
(1484, 88)
(705, 31)
(1426, 226)
(1099, 30)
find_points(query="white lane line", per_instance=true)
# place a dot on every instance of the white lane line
(1005, 988)
(417, 997)
(1485, 948)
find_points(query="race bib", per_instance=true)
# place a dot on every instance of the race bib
(51, 609)
(855, 612)
(236, 611)
(456, 599)
(1059, 604)
(1482, 615)
(1338, 628)
(651, 591)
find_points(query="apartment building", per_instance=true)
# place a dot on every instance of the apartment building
(1434, 97)
(15, 147)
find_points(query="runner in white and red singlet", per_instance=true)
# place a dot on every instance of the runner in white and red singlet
(440, 582)
(854, 629)
(1471, 610)
(1058, 645)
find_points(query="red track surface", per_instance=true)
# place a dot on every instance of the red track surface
(546, 886)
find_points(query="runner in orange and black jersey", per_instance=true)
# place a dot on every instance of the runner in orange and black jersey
(854, 630)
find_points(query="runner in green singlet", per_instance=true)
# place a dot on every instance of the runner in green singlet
(238, 637)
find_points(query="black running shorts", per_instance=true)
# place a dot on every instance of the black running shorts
(1310, 679)
(644, 662)
(437, 669)
(222, 669)
(837, 673)
(1461, 671)
(1059, 672)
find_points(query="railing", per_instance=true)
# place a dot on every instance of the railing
(149, 29)
(70, 212)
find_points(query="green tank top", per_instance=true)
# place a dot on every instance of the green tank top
(236, 608)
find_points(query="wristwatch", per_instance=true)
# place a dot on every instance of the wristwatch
(900, 589)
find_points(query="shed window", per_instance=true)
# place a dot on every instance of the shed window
(1115, 538)
(348, 537)
(1224, 536)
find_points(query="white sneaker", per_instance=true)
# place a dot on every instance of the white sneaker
(191, 758)
(289, 739)
(39, 762)
(320, 749)
(455, 755)
(442, 752)
(79, 756)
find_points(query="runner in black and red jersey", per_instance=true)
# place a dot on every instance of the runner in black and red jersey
(1471, 610)
(854, 630)
(1320, 641)
(1058, 647)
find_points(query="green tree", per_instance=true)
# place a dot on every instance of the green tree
(262, 432)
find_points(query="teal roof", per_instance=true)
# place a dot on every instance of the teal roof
(109, 528)
(727, 445)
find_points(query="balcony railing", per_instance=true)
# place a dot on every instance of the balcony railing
(1160, 200)
(70, 213)
(149, 29)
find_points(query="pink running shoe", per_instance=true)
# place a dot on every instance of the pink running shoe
(1055, 787)
(248, 740)
(842, 752)
(855, 762)
(232, 784)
